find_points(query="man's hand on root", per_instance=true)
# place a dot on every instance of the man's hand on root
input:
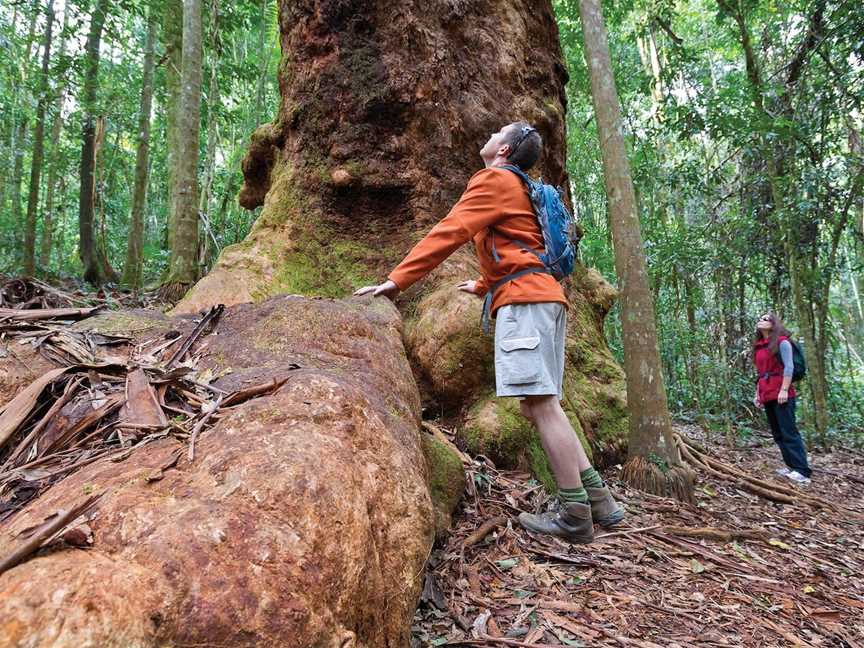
(387, 289)
(469, 286)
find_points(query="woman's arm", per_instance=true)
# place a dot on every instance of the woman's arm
(788, 366)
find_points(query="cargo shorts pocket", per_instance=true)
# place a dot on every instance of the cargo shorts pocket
(519, 360)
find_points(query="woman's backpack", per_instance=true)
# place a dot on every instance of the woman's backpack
(799, 365)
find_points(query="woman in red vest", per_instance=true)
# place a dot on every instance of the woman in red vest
(772, 355)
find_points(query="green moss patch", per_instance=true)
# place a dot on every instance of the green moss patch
(446, 479)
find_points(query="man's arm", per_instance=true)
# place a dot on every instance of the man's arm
(478, 208)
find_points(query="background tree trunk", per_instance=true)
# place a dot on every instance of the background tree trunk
(654, 463)
(205, 202)
(54, 158)
(135, 245)
(87, 244)
(20, 129)
(183, 266)
(172, 37)
(38, 150)
(381, 119)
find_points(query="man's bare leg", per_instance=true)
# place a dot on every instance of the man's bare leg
(566, 455)
(571, 467)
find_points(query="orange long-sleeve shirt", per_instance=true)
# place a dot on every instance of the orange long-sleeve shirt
(496, 198)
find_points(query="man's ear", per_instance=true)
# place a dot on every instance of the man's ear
(503, 150)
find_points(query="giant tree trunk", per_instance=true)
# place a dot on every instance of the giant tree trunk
(183, 265)
(38, 150)
(384, 107)
(87, 244)
(654, 462)
(135, 244)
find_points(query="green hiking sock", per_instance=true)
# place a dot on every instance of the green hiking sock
(591, 478)
(571, 495)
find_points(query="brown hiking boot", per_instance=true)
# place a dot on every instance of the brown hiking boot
(572, 522)
(604, 509)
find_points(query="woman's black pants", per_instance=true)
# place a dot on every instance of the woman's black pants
(781, 418)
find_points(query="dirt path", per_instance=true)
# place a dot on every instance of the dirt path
(764, 574)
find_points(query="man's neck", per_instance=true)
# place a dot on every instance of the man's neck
(497, 161)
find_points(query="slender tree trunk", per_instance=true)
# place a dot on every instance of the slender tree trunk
(184, 250)
(207, 245)
(172, 35)
(56, 128)
(654, 464)
(87, 245)
(20, 129)
(135, 245)
(38, 150)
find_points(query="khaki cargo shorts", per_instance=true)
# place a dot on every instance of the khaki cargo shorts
(529, 349)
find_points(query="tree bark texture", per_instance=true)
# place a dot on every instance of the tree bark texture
(172, 37)
(38, 150)
(384, 108)
(184, 249)
(20, 128)
(135, 245)
(51, 182)
(650, 436)
(87, 244)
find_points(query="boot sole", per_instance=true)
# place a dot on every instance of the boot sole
(611, 520)
(563, 536)
(571, 540)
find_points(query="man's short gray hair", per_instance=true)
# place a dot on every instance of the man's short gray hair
(525, 145)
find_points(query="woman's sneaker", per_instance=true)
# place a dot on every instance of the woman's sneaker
(797, 477)
(783, 472)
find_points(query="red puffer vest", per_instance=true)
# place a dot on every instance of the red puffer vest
(770, 370)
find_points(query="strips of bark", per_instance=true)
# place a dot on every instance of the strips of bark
(45, 532)
(141, 406)
(19, 408)
(210, 318)
(17, 315)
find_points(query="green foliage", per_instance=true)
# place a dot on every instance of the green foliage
(244, 50)
(714, 239)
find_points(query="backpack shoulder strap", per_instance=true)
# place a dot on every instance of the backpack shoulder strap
(519, 172)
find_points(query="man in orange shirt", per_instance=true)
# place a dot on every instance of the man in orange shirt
(531, 316)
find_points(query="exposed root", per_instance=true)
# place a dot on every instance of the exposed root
(173, 292)
(700, 459)
(675, 481)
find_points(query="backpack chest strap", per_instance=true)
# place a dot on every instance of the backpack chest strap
(487, 301)
(520, 244)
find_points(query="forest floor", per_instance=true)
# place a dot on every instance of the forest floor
(732, 570)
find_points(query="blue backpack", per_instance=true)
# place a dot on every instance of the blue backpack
(559, 237)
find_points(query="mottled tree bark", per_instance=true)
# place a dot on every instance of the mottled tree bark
(135, 242)
(654, 462)
(183, 267)
(87, 244)
(38, 149)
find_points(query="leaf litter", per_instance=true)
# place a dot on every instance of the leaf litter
(755, 562)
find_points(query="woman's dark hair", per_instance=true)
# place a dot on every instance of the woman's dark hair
(525, 144)
(777, 331)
